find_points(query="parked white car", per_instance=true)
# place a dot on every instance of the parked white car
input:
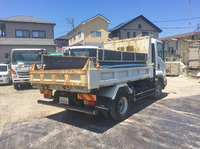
(198, 75)
(5, 74)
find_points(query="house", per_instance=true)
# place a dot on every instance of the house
(60, 42)
(25, 32)
(137, 27)
(183, 47)
(93, 31)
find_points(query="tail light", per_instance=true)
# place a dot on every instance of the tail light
(47, 93)
(89, 99)
(91, 103)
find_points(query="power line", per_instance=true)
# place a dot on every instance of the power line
(60, 33)
(177, 27)
(176, 20)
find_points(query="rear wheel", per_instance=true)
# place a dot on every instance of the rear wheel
(120, 107)
(56, 96)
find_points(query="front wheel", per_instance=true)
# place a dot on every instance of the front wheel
(158, 91)
(16, 86)
(120, 107)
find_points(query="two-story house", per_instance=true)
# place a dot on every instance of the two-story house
(61, 42)
(137, 27)
(93, 31)
(25, 32)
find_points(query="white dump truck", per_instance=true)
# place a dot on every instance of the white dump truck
(89, 79)
(21, 61)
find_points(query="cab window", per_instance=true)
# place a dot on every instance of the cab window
(161, 52)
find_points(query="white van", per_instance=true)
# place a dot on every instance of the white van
(5, 74)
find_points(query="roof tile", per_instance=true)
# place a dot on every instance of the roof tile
(29, 19)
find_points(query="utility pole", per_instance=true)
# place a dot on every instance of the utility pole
(198, 27)
(189, 16)
(70, 24)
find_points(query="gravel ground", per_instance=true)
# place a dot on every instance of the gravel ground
(22, 105)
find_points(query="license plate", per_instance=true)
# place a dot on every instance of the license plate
(63, 100)
(1, 80)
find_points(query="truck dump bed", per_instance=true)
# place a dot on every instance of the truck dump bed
(82, 74)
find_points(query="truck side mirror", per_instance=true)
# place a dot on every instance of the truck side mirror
(5, 55)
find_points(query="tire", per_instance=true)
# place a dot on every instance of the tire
(56, 96)
(16, 86)
(158, 91)
(120, 107)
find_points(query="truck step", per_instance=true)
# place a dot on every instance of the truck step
(69, 107)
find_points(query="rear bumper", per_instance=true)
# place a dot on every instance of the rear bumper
(70, 107)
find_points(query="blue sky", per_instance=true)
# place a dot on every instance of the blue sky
(117, 11)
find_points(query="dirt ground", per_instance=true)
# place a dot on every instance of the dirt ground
(21, 106)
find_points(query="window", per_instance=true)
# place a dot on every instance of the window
(22, 33)
(74, 38)
(2, 30)
(79, 35)
(83, 52)
(171, 50)
(145, 33)
(27, 56)
(98, 34)
(95, 34)
(128, 34)
(38, 34)
(139, 26)
(134, 34)
(161, 52)
(3, 68)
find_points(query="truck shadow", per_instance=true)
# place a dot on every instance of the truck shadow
(97, 123)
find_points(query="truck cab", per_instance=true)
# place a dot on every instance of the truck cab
(159, 62)
(82, 51)
(21, 63)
